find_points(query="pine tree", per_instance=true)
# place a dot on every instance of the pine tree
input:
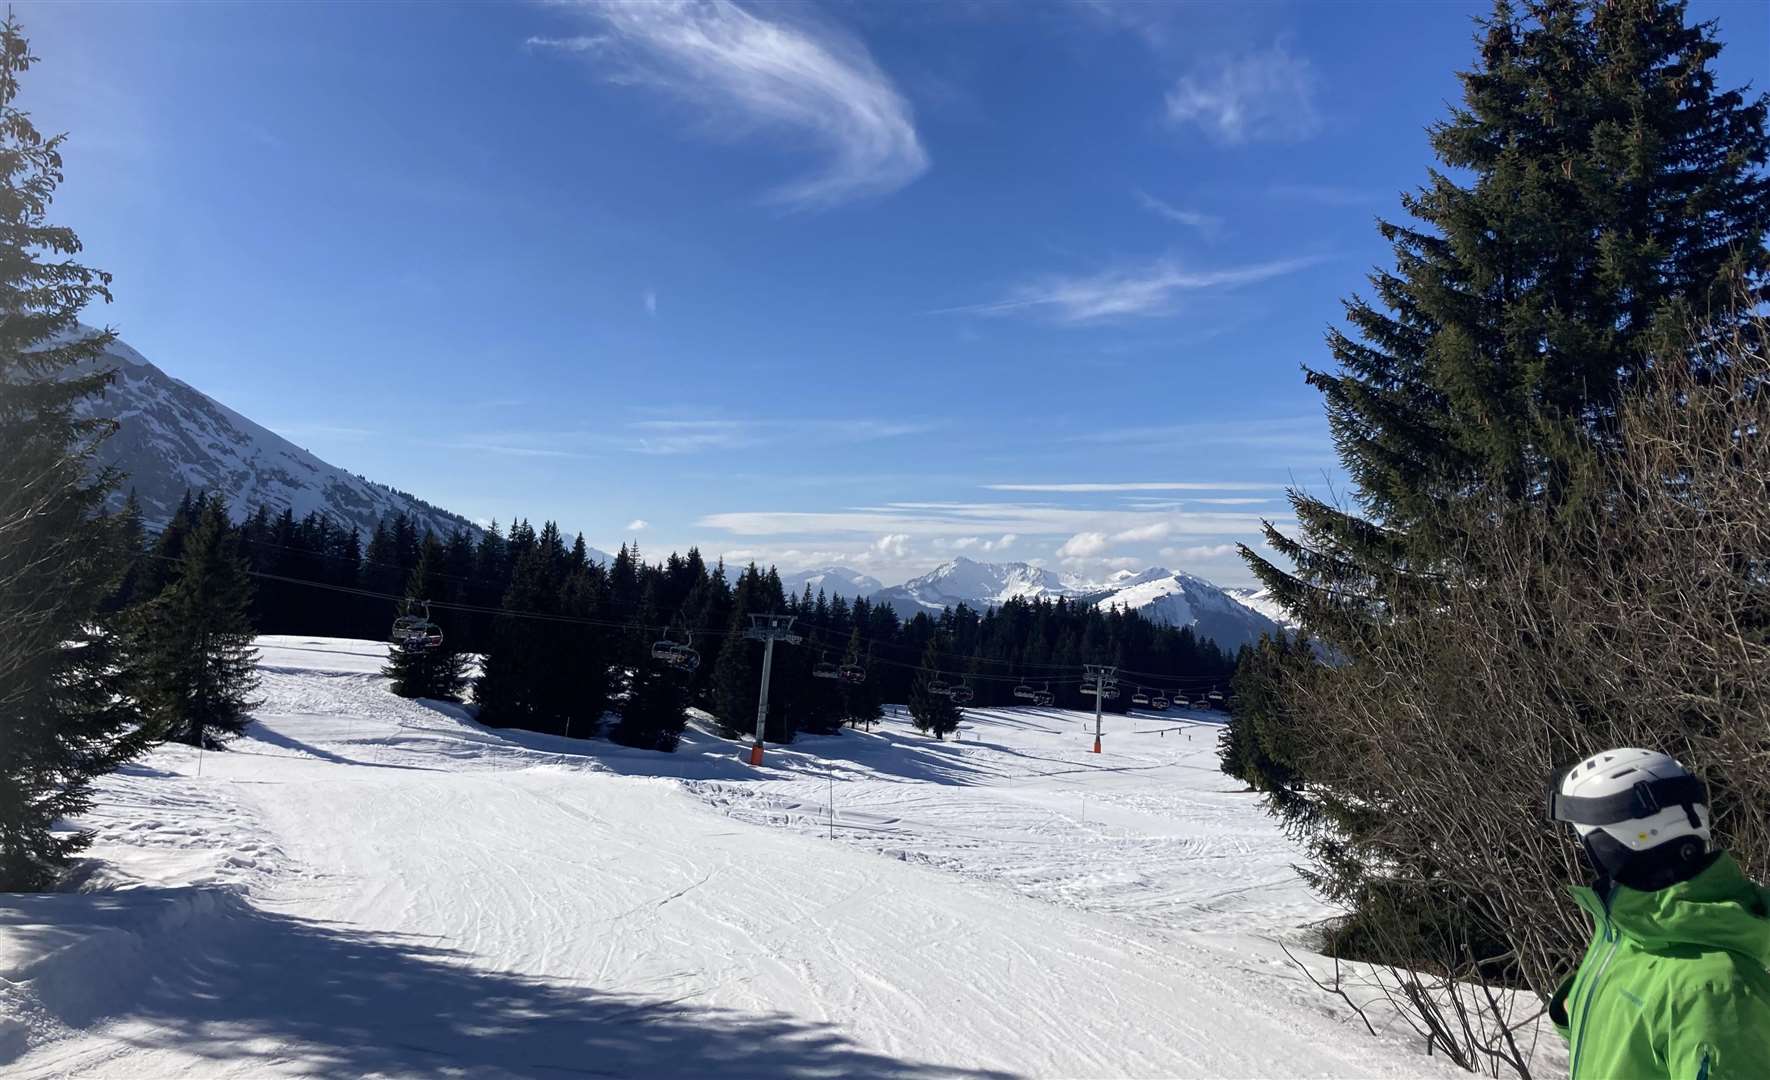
(195, 666)
(861, 703)
(1612, 193)
(934, 714)
(64, 715)
(653, 714)
(438, 672)
(735, 676)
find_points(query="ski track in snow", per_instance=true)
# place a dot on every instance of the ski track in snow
(371, 886)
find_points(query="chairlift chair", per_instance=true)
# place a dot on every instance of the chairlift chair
(1159, 704)
(1215, 698)
(826, 670)
(1025, 692)
(962, 695)
(1140, 698)
(1182, 703)
(677, 654)
(941, 687)
(1112, 693)
(852, 670)
(413, 630)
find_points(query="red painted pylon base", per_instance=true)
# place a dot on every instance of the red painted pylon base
(756, 754)
(1096, 744)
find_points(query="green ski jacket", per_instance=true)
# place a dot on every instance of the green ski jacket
(1673, 986)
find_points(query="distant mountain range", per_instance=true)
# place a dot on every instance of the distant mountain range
(1231, 618)
(978, 584)
(834, 580)
(172, 438)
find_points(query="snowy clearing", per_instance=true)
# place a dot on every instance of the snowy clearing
(371, 886)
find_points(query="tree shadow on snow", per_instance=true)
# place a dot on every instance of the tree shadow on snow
(259, 732)
(343, 1002)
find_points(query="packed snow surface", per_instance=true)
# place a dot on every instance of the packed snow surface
(371, 886)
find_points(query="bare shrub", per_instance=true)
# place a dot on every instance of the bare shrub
(1637, 614)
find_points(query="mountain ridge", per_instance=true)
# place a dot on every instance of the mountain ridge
(172, 438)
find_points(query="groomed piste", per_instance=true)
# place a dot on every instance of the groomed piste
(370, 886)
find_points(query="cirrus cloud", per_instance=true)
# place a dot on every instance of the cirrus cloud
(1260, 96)
(820, 87)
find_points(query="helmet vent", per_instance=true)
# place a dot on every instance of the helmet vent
(1620, 775)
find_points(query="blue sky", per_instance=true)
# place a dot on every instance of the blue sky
(836, 283)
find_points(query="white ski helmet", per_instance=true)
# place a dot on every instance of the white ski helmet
(1642, 817)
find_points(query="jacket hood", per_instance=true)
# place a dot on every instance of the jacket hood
(1719, 908)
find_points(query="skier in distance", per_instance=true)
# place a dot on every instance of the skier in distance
(1674, 984)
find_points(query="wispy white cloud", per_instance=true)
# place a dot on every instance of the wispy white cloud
(1267, 95)
(1198, 552)
(573, 43)
(1083, 545)
(638, 525)
(821, 87)
(650, 300)
(689, 435)
(1330, 195)
(958, 520)
(509, 450)
(1142, 534)
(1160, 485)
(1148, 290)
(1305, 434)
(1207, 223)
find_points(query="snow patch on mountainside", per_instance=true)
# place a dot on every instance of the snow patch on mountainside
(1262, 601)
(172, 438)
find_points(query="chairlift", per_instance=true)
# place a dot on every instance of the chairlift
(825, 670)
(962, 695)
(1182, 703)
(677, 654)
(1215, 698)
(1140, 697)
(412, 629)
(1112, 693)
(1159, 704)
(941, 687)
(1025, 692)
(852, 670)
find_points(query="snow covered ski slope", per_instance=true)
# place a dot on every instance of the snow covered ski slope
(370, 886)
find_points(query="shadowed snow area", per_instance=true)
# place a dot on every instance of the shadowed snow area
(372, 886)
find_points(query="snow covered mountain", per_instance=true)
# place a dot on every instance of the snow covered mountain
(975, 584)
(172, 437)
(1179, 599)
(1262, 601)
(1159, 594)
(834, 580)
